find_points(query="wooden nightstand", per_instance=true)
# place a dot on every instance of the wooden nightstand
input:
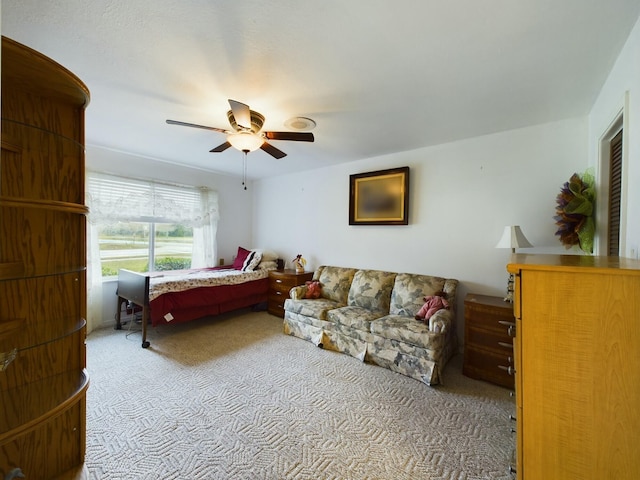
(488, 346)
(280, 282)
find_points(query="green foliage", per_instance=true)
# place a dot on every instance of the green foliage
(172, 263)
(181, 231)
(108, 271)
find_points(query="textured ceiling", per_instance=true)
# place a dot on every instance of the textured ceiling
(378, 76)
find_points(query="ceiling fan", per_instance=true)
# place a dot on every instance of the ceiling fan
(246, 134)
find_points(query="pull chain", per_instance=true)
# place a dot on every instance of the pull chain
(244, 169)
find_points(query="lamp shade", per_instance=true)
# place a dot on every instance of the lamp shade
(245, 141)
(513, 238)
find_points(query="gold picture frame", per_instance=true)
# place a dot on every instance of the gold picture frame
(380, 197)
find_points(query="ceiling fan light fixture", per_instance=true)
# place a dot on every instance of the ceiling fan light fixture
(245, 141)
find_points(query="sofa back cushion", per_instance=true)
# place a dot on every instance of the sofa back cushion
(335, 282)
(410, 289)
(371, 289)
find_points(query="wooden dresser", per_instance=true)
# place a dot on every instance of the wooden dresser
(488, 346)
(43, 380)
(577, 367)
(280, 282)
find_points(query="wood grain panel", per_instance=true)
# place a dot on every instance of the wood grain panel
(46, 307)
(578, 368)
(49, 172)
(55, 446)
(37, 363)
(46, 241)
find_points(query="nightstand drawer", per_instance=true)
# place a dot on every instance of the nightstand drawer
(276, 303)
(483, 364)
(489, 317)
(488, 342)
(280, 284)
(488, 338)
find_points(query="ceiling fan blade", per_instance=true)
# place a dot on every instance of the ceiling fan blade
(241, 113)
(273, 151)
(204, 127)
(295, 136)
(220, 148)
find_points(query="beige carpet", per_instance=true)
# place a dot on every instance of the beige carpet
(233, 398)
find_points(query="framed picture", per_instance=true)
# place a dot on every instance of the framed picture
(379, 198)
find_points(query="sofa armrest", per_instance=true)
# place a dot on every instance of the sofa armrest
(441, 321)
(298, 293)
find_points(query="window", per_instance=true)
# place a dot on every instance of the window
(148, 226)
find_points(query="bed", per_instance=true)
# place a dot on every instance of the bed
(182, 295)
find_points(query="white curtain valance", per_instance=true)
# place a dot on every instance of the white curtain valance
(111, 198)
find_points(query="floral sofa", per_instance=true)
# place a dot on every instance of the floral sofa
(369, 314)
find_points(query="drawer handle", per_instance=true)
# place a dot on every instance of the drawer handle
(6, 358)
(278, 293)
(507, 368)
(511, 327)
(506, 345)
(278, 280)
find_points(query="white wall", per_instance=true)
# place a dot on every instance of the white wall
(462, 196)
(235, 227)
(624, 77)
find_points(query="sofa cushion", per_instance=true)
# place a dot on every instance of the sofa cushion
(371, 289)
(409, 291)
(404, 329)
(335, 282)
(352, 316)
(314, 307)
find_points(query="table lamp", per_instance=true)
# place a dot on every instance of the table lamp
(512, 237)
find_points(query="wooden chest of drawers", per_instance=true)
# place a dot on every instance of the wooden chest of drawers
(488, 346)
(280, 282)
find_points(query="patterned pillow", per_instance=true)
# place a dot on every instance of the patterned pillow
(252, 261)
(371, 289)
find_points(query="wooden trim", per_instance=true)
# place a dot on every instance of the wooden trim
(65, 207)
(48, 415)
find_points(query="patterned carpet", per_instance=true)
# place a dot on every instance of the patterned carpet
(233, 398)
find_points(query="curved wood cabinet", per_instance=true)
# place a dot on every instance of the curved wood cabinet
(42, 266)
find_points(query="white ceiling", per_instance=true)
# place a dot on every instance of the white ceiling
(378, 76)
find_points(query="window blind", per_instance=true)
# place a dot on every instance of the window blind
(615, 193)
(112, 198)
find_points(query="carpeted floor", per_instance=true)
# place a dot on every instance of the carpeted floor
(233, 398)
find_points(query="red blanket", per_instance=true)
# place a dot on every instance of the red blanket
(176, 307)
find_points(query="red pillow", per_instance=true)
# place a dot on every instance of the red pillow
(241, 256)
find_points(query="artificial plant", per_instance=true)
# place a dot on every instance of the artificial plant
(575, 206)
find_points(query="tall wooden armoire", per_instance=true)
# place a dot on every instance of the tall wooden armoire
(43, 380)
